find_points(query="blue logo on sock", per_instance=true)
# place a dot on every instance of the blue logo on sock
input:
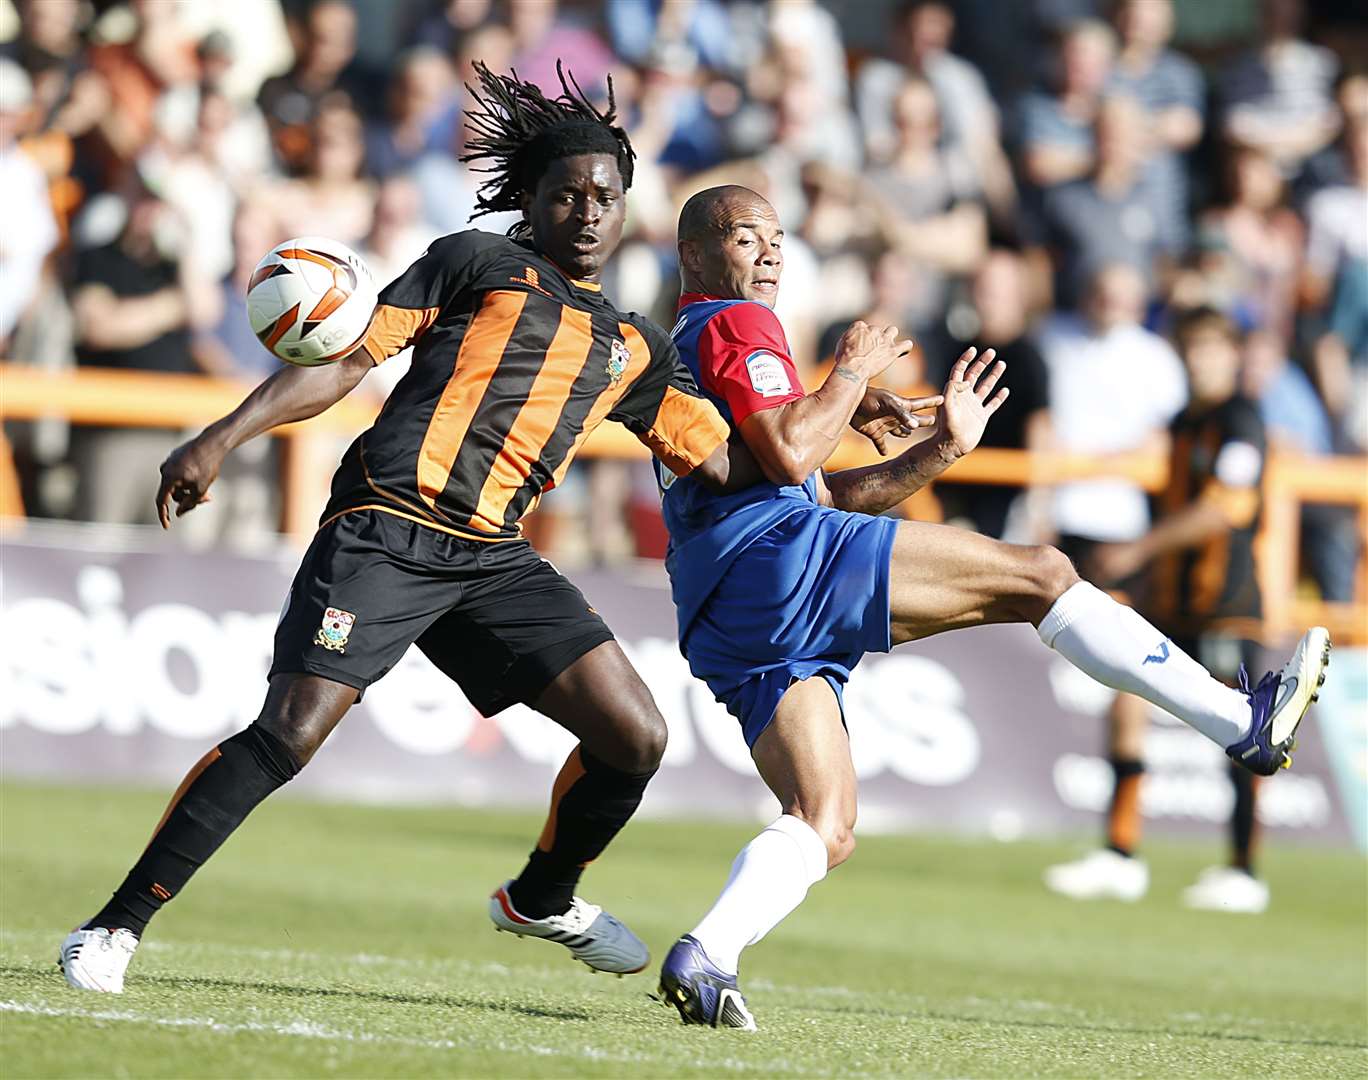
(1158, 657)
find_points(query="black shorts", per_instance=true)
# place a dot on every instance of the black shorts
(495, 617)
(1079, 549)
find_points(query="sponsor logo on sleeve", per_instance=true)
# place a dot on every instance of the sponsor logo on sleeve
(768, 376)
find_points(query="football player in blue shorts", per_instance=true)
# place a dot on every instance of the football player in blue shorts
(781, 589)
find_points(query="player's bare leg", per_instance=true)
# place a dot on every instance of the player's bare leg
(1114, 872)
(943, 579)
(215, 797)
(804, 758)
(601, 699)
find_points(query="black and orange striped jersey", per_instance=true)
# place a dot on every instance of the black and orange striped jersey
(1218, 457)
(514, 364)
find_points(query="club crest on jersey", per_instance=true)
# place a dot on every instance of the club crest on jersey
(619, 356)
(336, 628)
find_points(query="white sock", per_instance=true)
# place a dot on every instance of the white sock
(1120, 649)
(769, 879)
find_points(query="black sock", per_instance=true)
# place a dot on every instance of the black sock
(1123, 815)
(216, 795)
(1242, 820)
(590, 803)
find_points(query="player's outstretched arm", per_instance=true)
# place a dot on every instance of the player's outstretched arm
(291, 394)
(792, 440)
(969, 403)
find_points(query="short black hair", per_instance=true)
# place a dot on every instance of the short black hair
(1202, 318)
(520, 132)
(698, 218)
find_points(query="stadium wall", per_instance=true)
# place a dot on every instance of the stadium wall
(124, 660)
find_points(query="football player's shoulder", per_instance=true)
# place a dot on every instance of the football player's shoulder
(657, 340)
(458, 248)
(746, 321)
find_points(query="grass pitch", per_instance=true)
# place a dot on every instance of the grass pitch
(352, 941)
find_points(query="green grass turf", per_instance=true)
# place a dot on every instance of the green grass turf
(353, 941)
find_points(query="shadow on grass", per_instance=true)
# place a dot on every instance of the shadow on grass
(31, 974)
(1059, 1025)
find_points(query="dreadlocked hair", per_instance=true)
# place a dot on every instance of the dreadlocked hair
(518, 131)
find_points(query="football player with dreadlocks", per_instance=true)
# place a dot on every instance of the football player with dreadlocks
(518, 356)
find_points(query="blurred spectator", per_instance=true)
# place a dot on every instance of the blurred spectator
(423, 113)
(26, 224)
(1337, 270)
(934, 197)
(543, 34)
(446, 27)
(998, 319)
(66, 95)
(1277, 96)
(1296, 420)
(325, 50)
(135, 305)
(1333, 165)
(1263, 235)
(1170, 88)
(135, 74)
(644, 30)
(1109, 216)
(330, 198)
(1055, 128)
(226, 345)
(799, 95)
(397, 239)
(921, 33)
(1114, 387)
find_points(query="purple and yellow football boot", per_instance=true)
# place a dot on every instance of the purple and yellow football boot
(1280, 701)
(701, 991)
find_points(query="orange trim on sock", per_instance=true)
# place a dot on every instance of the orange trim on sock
(190, 777)
(570, 772)
(1123, 817)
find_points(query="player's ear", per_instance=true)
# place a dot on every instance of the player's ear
(688, 255)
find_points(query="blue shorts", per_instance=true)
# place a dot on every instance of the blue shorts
(808, 597)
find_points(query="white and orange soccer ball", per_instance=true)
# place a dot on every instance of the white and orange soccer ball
(310, 300)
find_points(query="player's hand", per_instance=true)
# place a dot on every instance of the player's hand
(186, 475)
(865, 351)
(1111, 563)
(883, 413)
(969, 399)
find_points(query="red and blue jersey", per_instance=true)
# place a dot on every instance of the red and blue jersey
(739, 357)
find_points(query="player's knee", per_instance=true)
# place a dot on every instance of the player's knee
(644, 746)
(840, 844)
(1048, 574)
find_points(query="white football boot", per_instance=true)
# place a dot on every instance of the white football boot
(96, 959)
(1225, 888)
(592, 935)
(1101, 875)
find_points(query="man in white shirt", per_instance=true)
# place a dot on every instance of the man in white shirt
(27, 229)
(1114, 388)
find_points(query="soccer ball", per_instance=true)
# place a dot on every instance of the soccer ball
(310, 300)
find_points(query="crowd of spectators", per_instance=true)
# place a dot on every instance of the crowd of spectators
(1054, 178)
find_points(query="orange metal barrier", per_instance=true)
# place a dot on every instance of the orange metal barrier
(152, 399)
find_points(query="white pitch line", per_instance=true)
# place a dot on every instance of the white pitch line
(309, 1029)
(299, 1029)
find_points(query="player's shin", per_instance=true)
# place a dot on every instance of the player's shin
(590, 803)
(769, 878)
(213, 800)
(1120, 649)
